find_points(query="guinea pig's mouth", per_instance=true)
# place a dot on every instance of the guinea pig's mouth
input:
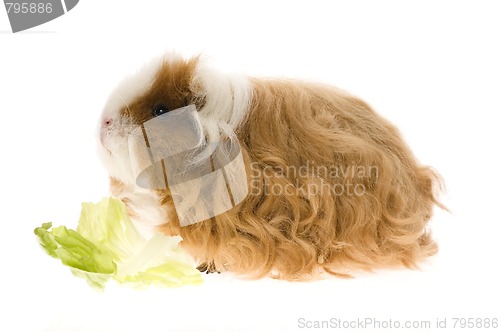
(115, 141)
(102, 139)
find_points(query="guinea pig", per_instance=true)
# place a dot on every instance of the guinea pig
(333, 188)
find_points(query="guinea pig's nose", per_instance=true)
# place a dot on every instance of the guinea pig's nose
(106, 122)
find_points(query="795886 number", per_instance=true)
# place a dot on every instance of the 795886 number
(475, 323)
(29, 8)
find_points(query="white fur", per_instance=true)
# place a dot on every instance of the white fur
(227, 96)
(113, 149)
(147, 212)
(114, 152)
(227, 100)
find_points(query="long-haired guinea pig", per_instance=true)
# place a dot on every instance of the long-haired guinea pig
(374, 199)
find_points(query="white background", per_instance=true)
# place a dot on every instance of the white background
(430, 67)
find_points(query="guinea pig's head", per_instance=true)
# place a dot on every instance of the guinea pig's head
(159, 87)
(164, 85)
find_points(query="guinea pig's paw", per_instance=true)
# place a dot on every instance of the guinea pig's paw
(207, 268)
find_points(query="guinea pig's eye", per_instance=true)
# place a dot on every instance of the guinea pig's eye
(159, 110)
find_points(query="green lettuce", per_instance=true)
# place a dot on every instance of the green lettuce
(106, 246)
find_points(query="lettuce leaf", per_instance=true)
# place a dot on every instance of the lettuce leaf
(106, 245)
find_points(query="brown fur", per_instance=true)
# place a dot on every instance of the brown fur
(171, 87)
(295, 236)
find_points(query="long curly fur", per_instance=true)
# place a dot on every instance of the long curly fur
(297, 234)
(352, 195)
